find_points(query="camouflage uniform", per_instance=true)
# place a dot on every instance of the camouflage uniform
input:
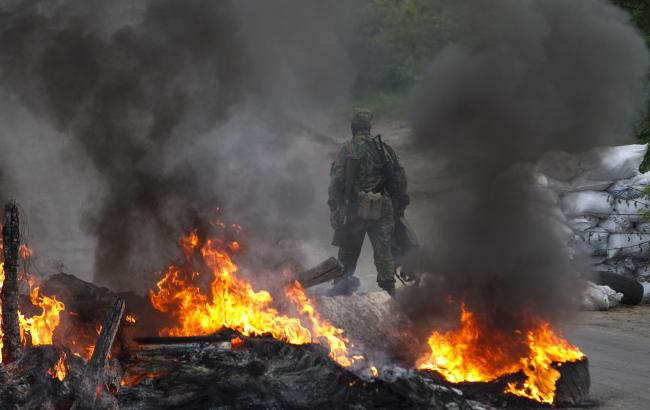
(369, 178)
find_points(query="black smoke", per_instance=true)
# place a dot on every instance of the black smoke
(520, 78)
(123, 98)
(176, 108)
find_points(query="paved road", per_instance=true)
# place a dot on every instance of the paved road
(618, 346)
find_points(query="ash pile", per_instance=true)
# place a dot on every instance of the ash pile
(605, 212)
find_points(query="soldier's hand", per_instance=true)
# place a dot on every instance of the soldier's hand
(334, 219)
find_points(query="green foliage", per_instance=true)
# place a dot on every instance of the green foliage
(640, 12)
(396, 40)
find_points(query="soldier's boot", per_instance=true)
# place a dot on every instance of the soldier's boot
(389, 287)
(344, 286)
(407, 278)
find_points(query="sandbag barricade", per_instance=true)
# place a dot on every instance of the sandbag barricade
(602, 194)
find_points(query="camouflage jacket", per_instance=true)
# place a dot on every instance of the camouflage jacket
(370, 174)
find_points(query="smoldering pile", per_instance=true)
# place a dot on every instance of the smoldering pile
(223, 369)
(233, 370)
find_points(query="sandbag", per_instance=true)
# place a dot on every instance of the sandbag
(633, 209)
(584, 184)
(577, 184)
(583, 222)
(625, 267)
(587, 203)
(610, 163)
(600, 297)
(593, 242)
(643, 227)
(561, 230)
(631, 188)
(616, 224)
(628, 244)
(642, 272)
(559, 165)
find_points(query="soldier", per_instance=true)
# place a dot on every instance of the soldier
(367, 193)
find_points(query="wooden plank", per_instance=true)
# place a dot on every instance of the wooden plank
(11, 348)
(91, 384)
(323, 272)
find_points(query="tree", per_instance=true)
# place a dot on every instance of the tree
(397, 38)
(640, 12)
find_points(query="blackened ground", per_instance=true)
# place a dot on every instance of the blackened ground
(265, 373)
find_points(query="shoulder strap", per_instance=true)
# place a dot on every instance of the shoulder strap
(380, 147)
(387, 165)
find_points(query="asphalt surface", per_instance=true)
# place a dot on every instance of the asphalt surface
(617, 343)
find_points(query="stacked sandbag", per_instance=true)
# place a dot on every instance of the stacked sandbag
(600, 297)
(601, 194)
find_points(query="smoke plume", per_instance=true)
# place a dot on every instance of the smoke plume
(520, 78)
(162, 110)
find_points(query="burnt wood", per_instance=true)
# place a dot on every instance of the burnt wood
(323, 272)
(95, 369)
(11, 348)
(222, 336)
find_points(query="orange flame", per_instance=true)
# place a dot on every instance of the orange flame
(130, 319)
(232, 302)
(473, 353)
(24, 252)
(546, 348)
(322, 328)
(40, 327)
(237, 342)
(189, 243)
(60, 369)
(133, 379)
(82, 350)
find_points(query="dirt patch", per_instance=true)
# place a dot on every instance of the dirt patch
(627, 319)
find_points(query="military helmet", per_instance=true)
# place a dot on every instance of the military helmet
(361, 119)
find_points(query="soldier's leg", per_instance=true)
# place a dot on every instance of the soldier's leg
(348, 256)
(381, 235)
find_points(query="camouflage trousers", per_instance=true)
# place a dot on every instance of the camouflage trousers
(380, 233)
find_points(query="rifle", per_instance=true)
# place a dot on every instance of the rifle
(343, 213)
(387, 166)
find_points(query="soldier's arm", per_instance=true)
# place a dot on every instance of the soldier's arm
(398, 185)
(337, 180)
